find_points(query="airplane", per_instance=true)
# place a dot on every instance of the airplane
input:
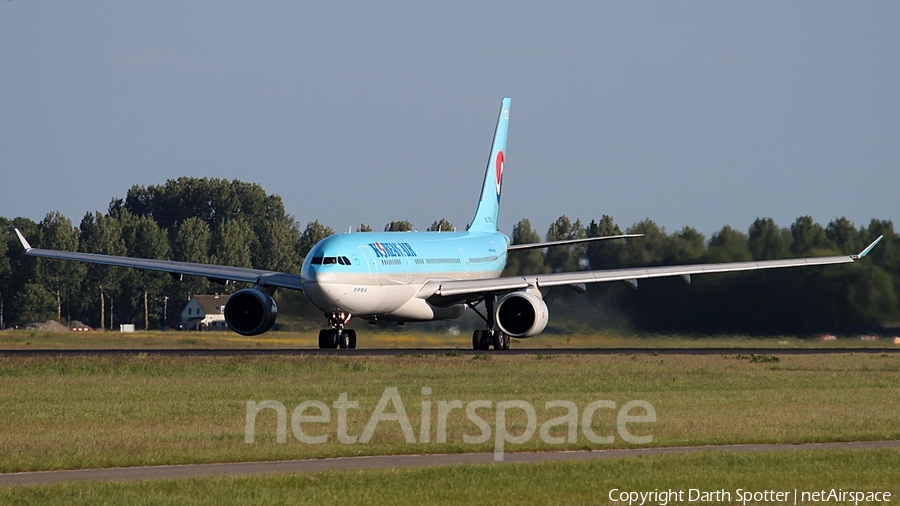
(421, 276)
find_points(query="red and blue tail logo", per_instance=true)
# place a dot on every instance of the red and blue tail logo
(499, 173)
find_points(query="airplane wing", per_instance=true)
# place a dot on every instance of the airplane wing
(514, 247)
(466, 290)
(215, 273)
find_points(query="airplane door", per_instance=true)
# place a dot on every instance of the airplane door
(465, 260)
(370, 262)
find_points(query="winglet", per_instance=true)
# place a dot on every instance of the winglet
(868, 248)
(22, 239)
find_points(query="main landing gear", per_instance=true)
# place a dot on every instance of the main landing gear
(337, 336)
(484, 339)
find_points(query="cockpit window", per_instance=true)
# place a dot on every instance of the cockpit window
(330, 261)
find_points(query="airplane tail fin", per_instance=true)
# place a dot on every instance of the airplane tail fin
(488, 211)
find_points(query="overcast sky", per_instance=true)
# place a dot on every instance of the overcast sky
(689, 113)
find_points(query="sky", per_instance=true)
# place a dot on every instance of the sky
(694, 114)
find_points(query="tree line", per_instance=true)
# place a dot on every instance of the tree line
(207, 220)
(858, 297)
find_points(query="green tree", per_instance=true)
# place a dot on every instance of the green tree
(314, 233)
(685, 247)
(4, 270)
(728, 245)
(652, 249)
(22, 269)
(441, 225)
(59, 277)
(525, 262)
(887, 254)
(603, 254)
(145, 239)
(191, 243)
(276, 237)
(398, 226)
(233, 243)
(847, 238)
(363, 228)
(766, 241)
(35, 304)
(4, 247)
(103, 235)
(210, 199)
(808, 236)
(565, 258)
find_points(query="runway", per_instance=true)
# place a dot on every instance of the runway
(394, 461)
(382, 352)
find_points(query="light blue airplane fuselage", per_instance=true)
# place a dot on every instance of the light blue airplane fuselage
(379, 273)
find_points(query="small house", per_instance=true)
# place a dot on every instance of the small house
(204, 312)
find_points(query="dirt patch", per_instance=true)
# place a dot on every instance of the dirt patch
(48, 326)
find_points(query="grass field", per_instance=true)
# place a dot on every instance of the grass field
(555, 483)
(82, 412)
(380, 338)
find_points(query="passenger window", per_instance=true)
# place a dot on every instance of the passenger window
(317, 261)
(329, 260)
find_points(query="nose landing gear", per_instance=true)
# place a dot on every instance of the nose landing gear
(337, 336)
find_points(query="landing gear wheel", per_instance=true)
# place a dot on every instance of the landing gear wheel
(497, 339)
(352, 342)
(481, 340)
(343, 339)
(325, 339)
(485, 340)
(335, 338)
(506, 340)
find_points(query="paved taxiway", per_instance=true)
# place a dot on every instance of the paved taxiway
(393, 461)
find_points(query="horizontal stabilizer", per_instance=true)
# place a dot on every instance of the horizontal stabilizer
(514, 247)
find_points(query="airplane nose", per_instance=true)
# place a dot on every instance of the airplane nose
(323, 295)
(314, 276)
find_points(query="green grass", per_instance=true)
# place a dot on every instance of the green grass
(83, 412)
(552, 483)
(381, 338)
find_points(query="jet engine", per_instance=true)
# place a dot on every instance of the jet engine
(250, 312)
(521, 314)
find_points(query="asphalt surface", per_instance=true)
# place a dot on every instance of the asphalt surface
(381, 352)
(393, 461)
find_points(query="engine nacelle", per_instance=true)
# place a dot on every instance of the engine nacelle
(521, 314)
(250, 312)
